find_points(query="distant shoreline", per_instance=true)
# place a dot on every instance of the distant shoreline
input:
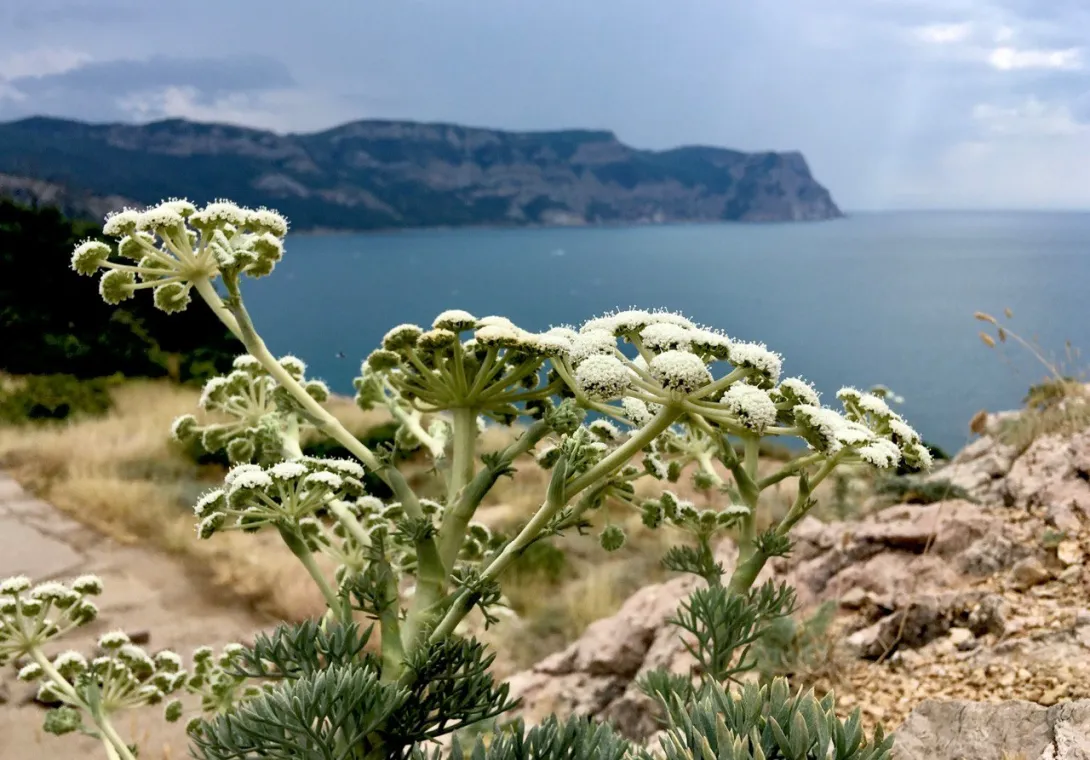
(332, 232)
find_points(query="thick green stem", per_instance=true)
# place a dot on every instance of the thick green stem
(299, 548)
(457, 515)
(617, 459)
(745, 574)
(393, 649)
(464, 456)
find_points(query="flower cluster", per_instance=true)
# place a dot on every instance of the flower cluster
(263, 421)
(463, 361)
(125, 676)
(32, 615)
(280, 495)
(175, 246)
(673, 364)
(868, 430)
(218, 682)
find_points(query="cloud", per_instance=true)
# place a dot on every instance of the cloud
(1009, 58)
(68, 83)
(1032, 118)
(941, 34)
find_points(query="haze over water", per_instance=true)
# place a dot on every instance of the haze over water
(875, 298)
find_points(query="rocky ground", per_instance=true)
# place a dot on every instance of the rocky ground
(984, 600)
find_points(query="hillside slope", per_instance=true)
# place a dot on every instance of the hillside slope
(391, 174)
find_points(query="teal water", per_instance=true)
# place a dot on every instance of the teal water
(875, 298)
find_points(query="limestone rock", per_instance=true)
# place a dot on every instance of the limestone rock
(989, 731)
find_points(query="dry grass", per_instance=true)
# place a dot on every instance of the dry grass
(1068, 416)
(1058, 405)
(121, 475)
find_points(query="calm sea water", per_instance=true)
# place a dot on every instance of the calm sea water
(876, 298)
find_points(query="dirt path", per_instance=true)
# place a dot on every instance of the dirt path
(146, 593)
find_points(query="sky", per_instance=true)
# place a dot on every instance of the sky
(894, 103)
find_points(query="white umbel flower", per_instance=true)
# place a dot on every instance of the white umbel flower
(875, 406)
(455, 320)
(603, 377)
(903, 433)
(757, 356)
(592, 343)
(636, 411)
(664, 336)
(881, 452)
(680, 371)
(799, 391)
(753, 407)
(288, 470)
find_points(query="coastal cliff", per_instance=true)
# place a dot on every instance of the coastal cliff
(396, 174)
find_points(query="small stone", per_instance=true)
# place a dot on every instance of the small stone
(853, 599)
(1063, 517)
(1028, 573)
(1070, 574)
(1069, 552)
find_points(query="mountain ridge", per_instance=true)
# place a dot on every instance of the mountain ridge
(374, 174)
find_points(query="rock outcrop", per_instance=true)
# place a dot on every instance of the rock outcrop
(953, 600)
(983, 731)
(392, 174)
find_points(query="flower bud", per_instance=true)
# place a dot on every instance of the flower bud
(89, 257)
(317, 390)
(90, 585)
(662, 336)
(173, 711)
(612, 538)
(184, 428)
(162, 220)
(680, 371)
(455, 321)
(15, 585)
(401, 338)
(122, 222)
(603, 377)
(295, 366)
(268, 221)
(116, 286)
(240, 450)
(31, 672)
(382, 360)
(756, 356)
(753, 407)
(131, 247)
(172, 297)
(436, 340)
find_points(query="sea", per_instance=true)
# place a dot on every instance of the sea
(874, 298)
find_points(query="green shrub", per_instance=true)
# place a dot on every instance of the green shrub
(71, 330)
(54, 397)
(900, 489)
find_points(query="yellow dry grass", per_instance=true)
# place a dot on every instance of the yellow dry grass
(121, 475)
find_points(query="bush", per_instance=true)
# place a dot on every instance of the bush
(70, 330)
(54, 397)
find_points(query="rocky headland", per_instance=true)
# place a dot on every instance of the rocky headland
(368, 175)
